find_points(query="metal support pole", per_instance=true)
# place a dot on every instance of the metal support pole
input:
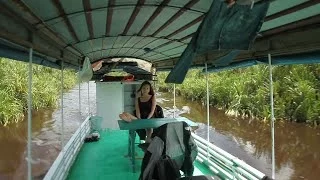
(62, 119)
(174, 100)
(79, 93)
(208, 110)
(272, 116)
(89, 111)
(154, 74)
(30, 115)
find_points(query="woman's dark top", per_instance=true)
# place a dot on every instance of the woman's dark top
(145, 108)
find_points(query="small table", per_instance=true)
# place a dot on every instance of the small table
(144, 124)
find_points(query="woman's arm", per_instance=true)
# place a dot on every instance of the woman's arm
(137, 108)
(153, 107)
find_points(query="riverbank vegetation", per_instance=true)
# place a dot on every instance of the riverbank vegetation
(46, 83)
(246, 91)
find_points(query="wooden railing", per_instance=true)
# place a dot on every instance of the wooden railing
(60, 168)
(223, 164)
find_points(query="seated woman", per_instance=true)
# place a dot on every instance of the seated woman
(145, 106)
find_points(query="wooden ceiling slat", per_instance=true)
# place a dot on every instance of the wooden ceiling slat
(87, 8)
(102, 46)
(123, 46)
(174, 17)
(168, 49)
(60, 9)
(133, 16)
(91, 46)
(119, 6)
(142, 37)
(141, 47)
(292, 10)
(169, 42)
(314, 20)
(153, 16)
(117, 49)
(25, 8)
(109, 16)
(200, 18)
(187, 37)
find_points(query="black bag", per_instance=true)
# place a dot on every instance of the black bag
(166, 169)
(158, 113)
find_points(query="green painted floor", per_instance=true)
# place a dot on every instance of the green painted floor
(106, 159)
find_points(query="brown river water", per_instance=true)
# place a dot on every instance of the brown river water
(297, 145)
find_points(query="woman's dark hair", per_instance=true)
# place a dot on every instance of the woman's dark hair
(151, 92)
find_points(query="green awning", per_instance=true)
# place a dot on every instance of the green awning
(151, 30)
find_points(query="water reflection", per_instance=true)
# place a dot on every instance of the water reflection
(297, 146)
(46, 132)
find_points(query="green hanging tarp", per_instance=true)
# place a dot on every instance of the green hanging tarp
(224, 28)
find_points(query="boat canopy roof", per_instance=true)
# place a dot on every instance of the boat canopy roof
(157, 31)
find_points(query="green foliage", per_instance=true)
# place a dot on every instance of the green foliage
(46, 83)
(246, 91)
(117, 73)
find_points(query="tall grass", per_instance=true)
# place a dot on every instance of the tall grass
(46, 85)
(246, 91)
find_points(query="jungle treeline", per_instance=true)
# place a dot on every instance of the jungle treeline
(246, 91)
(46, 88)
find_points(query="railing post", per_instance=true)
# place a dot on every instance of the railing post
(62, 118)
(272, 117)
(89, 111)
(208, 110)
(174, 100)
(29, 158)
(80, 118)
